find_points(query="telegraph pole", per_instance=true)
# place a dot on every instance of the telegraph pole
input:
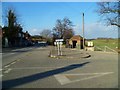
(83, 29)
(119, 16)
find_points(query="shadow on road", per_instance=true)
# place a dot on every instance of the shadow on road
(23, 80)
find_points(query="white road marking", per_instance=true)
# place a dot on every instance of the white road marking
(18, 49)
(22, 49)
(18, 60)
(62, 79)
(24, 68)
(67, 81)
(91, 77)
(87, 73)
(7, 54)
(7, 66)
(41, 48)
(7, 71)
(13, 62)
(0, 69)
(11, 53)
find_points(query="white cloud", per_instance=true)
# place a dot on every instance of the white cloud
(92, 30)
(78, 30)
(95, 30)
(34, 32)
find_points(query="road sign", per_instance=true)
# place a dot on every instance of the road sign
(90, 44)
(59, 40)
(59, 43)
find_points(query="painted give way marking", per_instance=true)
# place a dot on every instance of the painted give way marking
(65, 78)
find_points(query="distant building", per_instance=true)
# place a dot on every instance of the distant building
(38, 38)
(17, 39)
(76, 42)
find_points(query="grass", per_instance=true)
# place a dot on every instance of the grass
(111, 43)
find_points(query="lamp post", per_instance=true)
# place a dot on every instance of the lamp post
(83, 29)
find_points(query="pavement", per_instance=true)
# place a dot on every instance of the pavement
(7, 50)
(69, 53)
(34, 69)
(12, 54)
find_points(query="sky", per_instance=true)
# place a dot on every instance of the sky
(37, 16)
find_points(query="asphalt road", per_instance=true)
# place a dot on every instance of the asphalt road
(34, 69)
(9, 56)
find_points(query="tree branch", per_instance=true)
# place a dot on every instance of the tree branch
(115, 24)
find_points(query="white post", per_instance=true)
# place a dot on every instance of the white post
(55, 43)
(6, 42)
(58, 47)
(59, 43)
(105, 49)
(61, 49)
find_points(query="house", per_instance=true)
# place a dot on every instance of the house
(76, 42)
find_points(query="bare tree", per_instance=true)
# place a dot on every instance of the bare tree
(68, 34)
(46, 33)
(63, 28)
(110, 12)
(58, 29)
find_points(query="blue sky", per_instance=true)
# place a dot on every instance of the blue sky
(37, 16)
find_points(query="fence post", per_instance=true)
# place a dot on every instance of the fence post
(105, 49)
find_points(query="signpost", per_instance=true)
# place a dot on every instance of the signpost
(59, 43)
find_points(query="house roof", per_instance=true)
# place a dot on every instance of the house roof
(76, 37)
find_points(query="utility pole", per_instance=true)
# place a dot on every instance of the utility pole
(83, 29)
(119, 16)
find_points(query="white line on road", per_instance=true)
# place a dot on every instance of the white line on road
(91, 77)
(7, 54)
(7, 71)
(18, 60)
(67, 81)
(23, 68)
(22, 49)
(13, 63)
(7, 66)
(88, 73)
(18, 49)
(62, 79)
